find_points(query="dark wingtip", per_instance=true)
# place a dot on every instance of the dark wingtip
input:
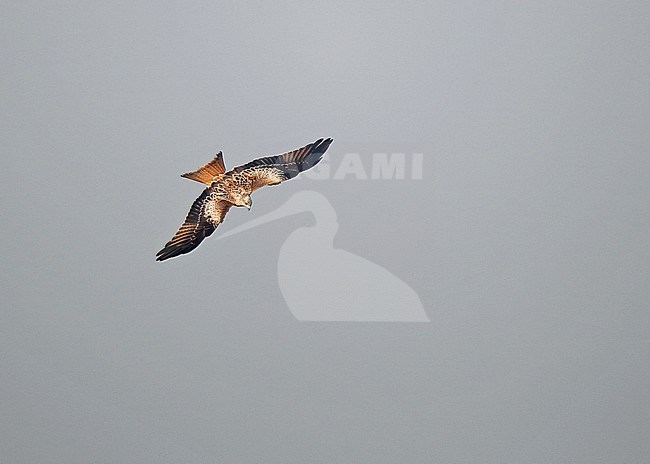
(171, 251)
(318, 149)
(321, 145)
(162, 255)
(168, 252)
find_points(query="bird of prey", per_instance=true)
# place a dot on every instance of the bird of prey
(233, 188)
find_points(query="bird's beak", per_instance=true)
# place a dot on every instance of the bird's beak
(248, 207)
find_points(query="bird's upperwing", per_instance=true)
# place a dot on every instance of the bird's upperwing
(272, 170)
(206, 173)
(206, 213)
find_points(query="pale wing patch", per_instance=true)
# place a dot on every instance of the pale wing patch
(261, 176)
(272, 170)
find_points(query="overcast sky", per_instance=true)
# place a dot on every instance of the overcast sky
(526, 240)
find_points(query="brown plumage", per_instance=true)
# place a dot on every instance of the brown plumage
(233, 188)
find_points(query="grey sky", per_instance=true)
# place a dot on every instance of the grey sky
(526, 240)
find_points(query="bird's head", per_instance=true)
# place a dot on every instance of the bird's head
(248, 202)
(242, 199)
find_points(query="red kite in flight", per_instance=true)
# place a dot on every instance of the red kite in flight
(234, 188)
